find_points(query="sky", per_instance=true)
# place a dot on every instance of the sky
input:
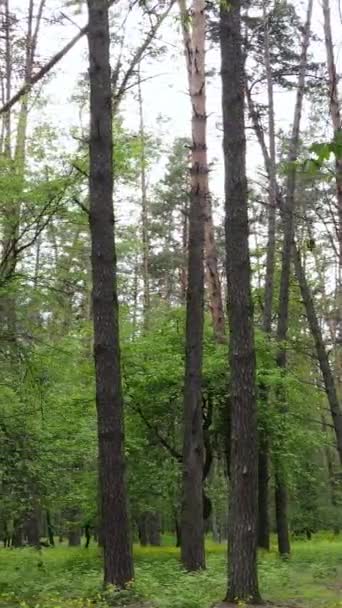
(165, 88)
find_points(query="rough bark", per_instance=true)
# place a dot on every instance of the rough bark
(283, 309)
(242, 541)
(192, 549)
(118, 564)
(211, 263)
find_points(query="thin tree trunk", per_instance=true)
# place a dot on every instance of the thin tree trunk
(192, 548)
(288, 217)
(333, 480)
(283, 310)
(212, 273)
(335, 113)
(185, 242)
(154, 529)
(17, 537)
(50, 529)
(73, 526)
(263, 494)
(87, 535)
(263, 458)
(281, 505)
(135, 296)
(243, 508)
(32, 527)
(142, 529)
(8, 70)
(178, 532)
(118, 564)
(272, 193)
(74, 538)
(144, 211)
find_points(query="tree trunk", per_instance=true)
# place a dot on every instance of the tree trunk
(185, 244)
(142, 529)
(263, 457)
(288, 218)
(243, 508)
(263, 499)
(50, 529)
(212, 273)
(281, 501)
(135, 296)
(192, 549)
(212, 276)
(8, 71)
(74, 537)
(283, 310)
(87, 535)
(32, 528)
(154, 529)
(144, 212)
(333, 479)
(178, 532)
(118, 563)
(73, 527)
(17, 536)
(335, 113)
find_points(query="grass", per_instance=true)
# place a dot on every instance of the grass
(71, 578)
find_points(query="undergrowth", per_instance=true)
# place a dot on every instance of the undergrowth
(65, 577)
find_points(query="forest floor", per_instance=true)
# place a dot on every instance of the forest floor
(71, 578)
